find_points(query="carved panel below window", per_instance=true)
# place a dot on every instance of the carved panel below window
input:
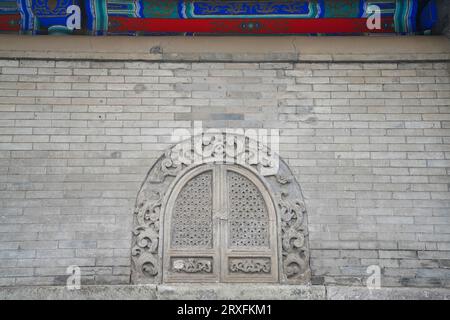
(250, 265)
(192, 265)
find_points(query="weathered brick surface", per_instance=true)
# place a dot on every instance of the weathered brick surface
(369, 144)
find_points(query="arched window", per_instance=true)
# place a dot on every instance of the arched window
(216, 221)
(220, 227)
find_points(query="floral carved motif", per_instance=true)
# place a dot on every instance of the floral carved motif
(192, 265)
(261, 265)
(146, 236)
(294, 232)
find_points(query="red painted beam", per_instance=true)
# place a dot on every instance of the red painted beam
(10, 22)
(247, 26)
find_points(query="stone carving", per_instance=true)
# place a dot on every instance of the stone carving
(146, 236)
(292, 214)
(192, 265)
(192, 214)
(170, 166)
(283, 179)
(219, 148)
(248, 216)
(261, 265)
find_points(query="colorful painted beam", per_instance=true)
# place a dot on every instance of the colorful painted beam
(247, 26)
(154, 17)
(10, 22)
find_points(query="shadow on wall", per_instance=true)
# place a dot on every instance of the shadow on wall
(443, 25)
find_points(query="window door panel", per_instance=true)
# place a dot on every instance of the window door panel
(220, 227)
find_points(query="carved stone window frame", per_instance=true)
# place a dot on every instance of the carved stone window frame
(226, 254)
(148, 234)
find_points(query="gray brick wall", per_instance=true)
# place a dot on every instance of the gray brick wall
(369, 144)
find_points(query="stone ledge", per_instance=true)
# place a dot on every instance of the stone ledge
(358, 293)
(228, 49)
(220, 292)
(240, 291)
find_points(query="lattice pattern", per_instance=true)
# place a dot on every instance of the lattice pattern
(192, 214)
(248, 216)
